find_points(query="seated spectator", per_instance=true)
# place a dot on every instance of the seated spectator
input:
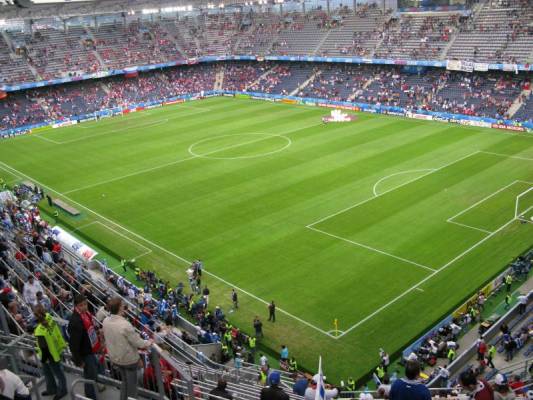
(502, 391)
(11, 386)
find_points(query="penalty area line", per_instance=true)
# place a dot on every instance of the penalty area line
(427, 278)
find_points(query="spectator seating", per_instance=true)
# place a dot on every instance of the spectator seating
(498, 32)
(356, 35)
(488, 94)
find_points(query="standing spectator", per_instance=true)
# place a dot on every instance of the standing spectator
(330, 393)
(409, 388)
(205, 293)
(501, 388)
(508, 299)
(508, 282)
(300, 385)
(220, 391)
(490, 356)
(234, 299)
(122, 345)
(481, 349)
(272, 311)
(84, 343)
(477, 389)
(522, 303)
(284, 354)
(29, 292)
(12, 386)
(385, 359)
(274, 392)
(50, 346)
(258, 327)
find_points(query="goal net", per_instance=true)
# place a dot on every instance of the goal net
(524, 206)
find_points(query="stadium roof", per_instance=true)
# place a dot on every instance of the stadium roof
(35, 9)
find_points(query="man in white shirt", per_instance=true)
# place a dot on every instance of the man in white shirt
(263, 361)
(522, 303)
(30, 291)
(310, 392)
(12, 384)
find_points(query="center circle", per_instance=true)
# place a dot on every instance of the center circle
(214, 147)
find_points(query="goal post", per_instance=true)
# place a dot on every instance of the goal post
(524, 206)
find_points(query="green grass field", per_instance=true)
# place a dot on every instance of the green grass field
(385, 223)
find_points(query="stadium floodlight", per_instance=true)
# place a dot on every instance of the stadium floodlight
(150, 10)
(523, 209)
(221, 5)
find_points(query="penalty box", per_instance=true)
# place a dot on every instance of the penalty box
(429, 220)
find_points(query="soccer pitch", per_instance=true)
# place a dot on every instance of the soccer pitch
(385, 223)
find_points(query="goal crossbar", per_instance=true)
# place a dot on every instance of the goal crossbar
(521, 209)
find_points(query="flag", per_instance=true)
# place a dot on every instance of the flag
(320, 393)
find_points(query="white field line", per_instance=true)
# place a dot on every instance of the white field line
(469, 226)
(405, 260)
(36, 135)
(374, 189)
(507, 155)
(481, 201)
(134, 115)
(416, 286)
(15, 176)
(117, 178)
(146, 249)
(79, 228)
(390, 190)
(154, 123)
(184, 260)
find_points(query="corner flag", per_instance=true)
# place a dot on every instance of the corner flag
(320, 393)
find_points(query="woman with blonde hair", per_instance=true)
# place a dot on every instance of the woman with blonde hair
(50, 347)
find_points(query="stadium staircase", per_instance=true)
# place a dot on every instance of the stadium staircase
(263, 76)
(219, 79)
(94, 52)
(517, 104)
(307, 82)
(172, 38)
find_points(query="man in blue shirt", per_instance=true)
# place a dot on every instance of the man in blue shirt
(409, 388)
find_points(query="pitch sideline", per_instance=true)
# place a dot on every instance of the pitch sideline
(184, 260)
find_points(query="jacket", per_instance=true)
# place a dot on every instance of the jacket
(122, 341)
(79, 343)
(53, 338)
(273, 393)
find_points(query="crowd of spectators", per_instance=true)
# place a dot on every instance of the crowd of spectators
(54, 52)
(478, 94)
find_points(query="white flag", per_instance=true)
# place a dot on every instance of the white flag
(320, 393)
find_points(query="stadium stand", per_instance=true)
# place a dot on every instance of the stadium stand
(479, 94)
(496, 31)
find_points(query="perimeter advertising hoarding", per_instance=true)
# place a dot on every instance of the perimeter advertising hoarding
(69, 241)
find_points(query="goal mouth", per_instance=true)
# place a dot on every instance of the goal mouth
(524, 206)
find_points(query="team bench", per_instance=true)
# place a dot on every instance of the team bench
(66, 207)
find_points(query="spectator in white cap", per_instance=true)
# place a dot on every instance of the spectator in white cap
(502, 391)
(310, 392)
